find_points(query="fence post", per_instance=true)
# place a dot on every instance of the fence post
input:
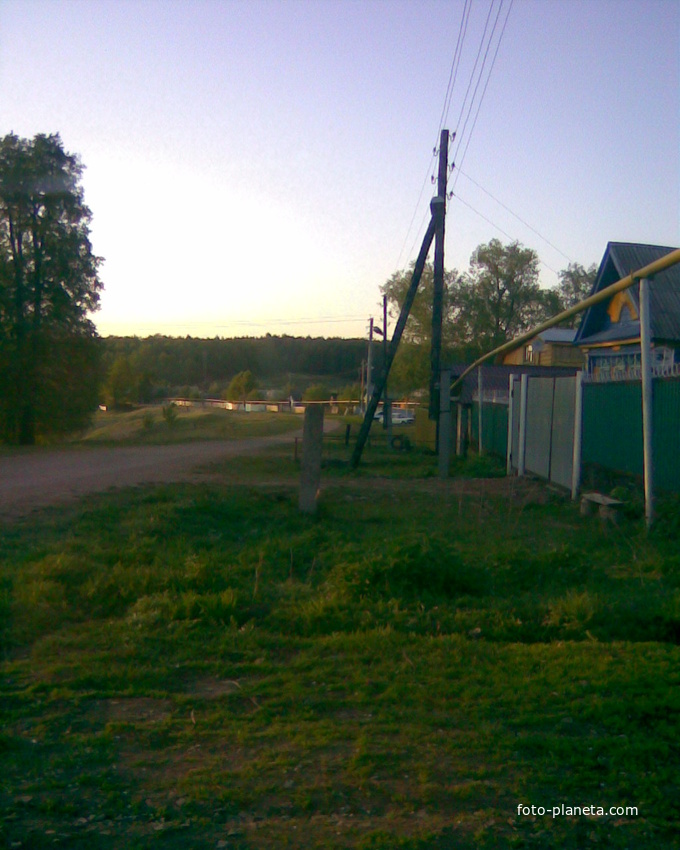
(522, 422)
(480, 419)
(444, 423)
(578, 437)
(647, 400)
(310, 468)
(508, 465)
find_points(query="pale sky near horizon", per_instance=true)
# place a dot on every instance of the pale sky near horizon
(264, 166)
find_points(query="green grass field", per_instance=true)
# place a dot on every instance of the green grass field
(203, 666)
(154, 425)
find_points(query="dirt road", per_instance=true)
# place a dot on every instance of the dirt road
(38, 478)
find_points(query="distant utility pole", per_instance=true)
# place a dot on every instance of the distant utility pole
(387, 404)
(438, 298)
(361, 379)
(369, 367)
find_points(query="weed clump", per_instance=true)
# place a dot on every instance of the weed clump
(425, 569)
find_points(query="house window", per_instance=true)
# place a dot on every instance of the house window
(530, 355)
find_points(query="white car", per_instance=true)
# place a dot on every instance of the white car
(399, 417)
(403, 417)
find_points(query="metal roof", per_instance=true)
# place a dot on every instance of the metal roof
(620, 259)
(558, 335)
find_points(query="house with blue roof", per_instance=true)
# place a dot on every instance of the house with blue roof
(609, 333)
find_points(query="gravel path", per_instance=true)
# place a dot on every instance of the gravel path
(34, 478)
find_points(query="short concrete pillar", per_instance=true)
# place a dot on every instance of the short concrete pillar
(310, 468)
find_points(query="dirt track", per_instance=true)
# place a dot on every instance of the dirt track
(37, 478)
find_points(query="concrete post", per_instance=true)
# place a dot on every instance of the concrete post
(310, 468)
(444, 423)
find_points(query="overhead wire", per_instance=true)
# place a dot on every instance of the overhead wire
(497, 227)
(460, 134)
(486, 84)
(455, 65)
(453, 74)
(513, 213)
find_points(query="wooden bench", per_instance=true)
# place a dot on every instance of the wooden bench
(607, 507)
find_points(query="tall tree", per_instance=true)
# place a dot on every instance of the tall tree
(412, 364)
(48, 285)
(499, 297)
(576, 283)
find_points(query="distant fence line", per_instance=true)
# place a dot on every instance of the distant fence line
(290, 406)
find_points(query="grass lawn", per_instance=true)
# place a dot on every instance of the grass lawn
(204, 667)
(156, 425)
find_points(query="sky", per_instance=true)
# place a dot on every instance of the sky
(265, 166)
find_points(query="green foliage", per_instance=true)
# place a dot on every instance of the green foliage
(121, 387)
(410, 370)
(241, 385)
(350, 392)
(500, 296)
(49, 358)
(316, 392)
(575, 285)
(170, 415)
(167, 362)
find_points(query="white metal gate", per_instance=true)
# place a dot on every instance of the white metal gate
(544, 428)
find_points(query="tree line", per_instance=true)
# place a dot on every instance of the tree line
(55, 369)
(140, 370)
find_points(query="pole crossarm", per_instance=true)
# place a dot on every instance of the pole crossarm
(648, 271)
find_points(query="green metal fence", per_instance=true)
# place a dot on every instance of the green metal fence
(612, 429)
(494, 427)
(667, 434)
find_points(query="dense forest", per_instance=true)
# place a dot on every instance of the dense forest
(141, 369)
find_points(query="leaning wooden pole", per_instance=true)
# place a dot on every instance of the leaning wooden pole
(437, 209)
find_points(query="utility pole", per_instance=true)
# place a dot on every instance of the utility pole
(361, 379)
(369, 367)
(387, 404)
(438, 299)
(436, 208)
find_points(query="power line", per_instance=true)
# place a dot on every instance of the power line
(519, 218)
(453, 74)
(486, 84)
(498, 228)
(455, 65)
(480, 76)
(468, 103)
(461, 133)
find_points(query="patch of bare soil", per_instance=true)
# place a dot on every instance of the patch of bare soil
(36, 479)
